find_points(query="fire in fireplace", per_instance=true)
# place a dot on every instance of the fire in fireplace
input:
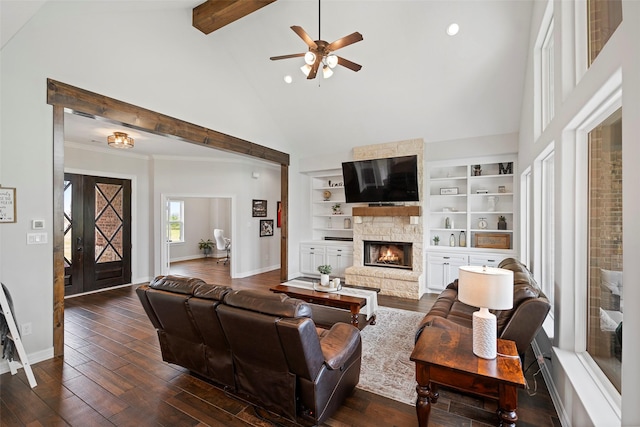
(388, 254)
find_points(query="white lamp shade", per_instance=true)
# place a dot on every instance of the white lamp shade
(486, 287)
(327, 72)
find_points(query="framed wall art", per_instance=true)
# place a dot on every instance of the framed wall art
(7, 204)
(266, 227)
(259, 208)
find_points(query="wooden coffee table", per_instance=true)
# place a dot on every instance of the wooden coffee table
(330, 299)
(446, 357)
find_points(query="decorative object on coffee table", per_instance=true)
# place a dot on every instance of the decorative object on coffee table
(324, 271)
(502, 223)
(486, 288)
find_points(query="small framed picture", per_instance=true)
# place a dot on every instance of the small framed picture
(266, 227)
(259, 208)
(7, 204)
(449, 191)
(502, 189)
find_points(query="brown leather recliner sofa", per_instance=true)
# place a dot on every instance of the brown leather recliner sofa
(259, 345)
(519, 324)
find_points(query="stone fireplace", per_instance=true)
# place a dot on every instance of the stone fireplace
(388, 254)
(389, 227)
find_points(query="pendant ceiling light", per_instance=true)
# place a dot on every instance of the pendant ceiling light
(321, 53)
(120, 140)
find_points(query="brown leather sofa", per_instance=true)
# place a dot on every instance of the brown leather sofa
(261, 346)
(519, 324)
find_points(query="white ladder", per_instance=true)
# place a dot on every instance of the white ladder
(15, 337)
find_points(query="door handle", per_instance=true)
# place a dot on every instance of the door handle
(79, 244)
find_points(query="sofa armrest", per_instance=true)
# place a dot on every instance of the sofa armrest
(339, 344)
(525, 322)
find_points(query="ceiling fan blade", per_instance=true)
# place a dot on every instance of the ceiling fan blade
(350, 65)
(345, 41)
(293, 55)
(304, 36)
(314, 68)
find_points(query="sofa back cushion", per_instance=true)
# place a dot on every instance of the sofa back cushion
(250, 322)
(524, 288)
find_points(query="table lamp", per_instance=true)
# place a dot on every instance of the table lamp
(486, 288)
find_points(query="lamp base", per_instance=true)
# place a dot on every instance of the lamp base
(485, 334)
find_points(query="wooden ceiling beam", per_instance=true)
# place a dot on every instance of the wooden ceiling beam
(215, 14)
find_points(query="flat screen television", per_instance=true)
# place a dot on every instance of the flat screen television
(381, 181)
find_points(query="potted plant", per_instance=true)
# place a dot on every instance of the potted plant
(436, 240)
(502, 223)
(206, 246)
(324, 274)
(336, 209)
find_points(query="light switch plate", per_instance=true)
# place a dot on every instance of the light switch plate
(37, 238)
(37, 224)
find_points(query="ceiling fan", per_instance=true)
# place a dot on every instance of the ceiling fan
(321, 52)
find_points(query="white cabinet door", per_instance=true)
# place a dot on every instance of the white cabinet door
(339, 258)
(311, 256)
(486, 259)
(443, 269)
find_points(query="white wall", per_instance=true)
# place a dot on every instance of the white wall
(582, 396)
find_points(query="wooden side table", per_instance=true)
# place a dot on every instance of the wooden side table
(446, 357)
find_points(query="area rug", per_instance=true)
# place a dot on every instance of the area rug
(386, 348)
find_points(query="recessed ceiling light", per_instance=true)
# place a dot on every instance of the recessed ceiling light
(453, 29)
(288, 79)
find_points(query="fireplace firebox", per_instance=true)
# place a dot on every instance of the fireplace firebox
(388, 254)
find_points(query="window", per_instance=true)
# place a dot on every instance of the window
(526, 188)
(543, 71)
(604, 256)
(547, 227)
(603, 17)
(547, 74)
(175, 221)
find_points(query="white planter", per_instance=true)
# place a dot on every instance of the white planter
(324, 279)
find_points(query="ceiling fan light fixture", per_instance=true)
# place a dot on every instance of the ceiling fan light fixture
(309, 58)
(120, 140)
(332, 60)
(327, 72)
(306, 69)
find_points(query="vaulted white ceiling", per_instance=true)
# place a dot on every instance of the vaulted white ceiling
(416, 81)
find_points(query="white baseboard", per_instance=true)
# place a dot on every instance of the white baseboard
(34, 358)
(258, 271)
(563, 416)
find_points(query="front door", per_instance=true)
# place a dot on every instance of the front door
(97, 232)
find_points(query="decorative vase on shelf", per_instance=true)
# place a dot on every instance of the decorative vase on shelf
(492, 202)
(502, 223)
(452, 240)
(462, 240)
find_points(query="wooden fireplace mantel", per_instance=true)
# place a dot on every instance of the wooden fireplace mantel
(386, 211)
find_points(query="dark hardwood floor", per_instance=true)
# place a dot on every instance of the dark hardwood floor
(112, 374)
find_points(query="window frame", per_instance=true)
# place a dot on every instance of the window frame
(181, 222)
